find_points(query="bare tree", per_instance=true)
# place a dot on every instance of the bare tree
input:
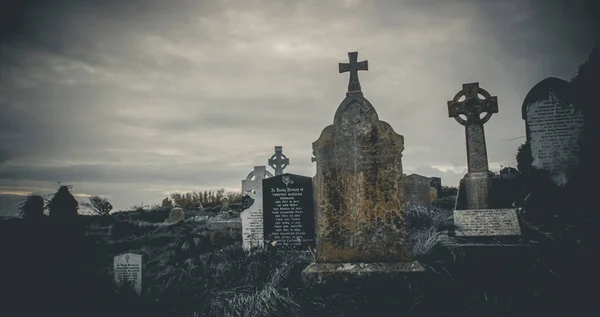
(98, 205)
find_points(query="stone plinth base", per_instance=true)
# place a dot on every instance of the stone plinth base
(487, 223)
(475, 191)
(332, 273)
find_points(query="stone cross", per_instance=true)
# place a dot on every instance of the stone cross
(264, 175)
(472, 107)
(252, 218)
(254, 187)
(353, 67)
(278, 161)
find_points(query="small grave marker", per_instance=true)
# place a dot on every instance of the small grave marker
(128, 268)
(176, 214)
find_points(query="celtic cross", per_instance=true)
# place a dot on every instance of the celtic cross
(278, 161)
(472, 107)
(254, 187)
(353, 67)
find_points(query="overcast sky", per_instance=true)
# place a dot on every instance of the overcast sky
(134, 100)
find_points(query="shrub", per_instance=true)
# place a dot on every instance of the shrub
(98, 205)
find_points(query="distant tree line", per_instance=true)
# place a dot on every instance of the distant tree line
(200, 200)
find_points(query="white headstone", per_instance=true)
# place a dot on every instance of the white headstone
(128, 267)
(252, 218)
(176, 214)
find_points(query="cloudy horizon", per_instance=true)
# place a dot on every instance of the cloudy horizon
(134, 100)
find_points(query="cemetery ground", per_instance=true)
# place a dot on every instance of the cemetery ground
(216, 277)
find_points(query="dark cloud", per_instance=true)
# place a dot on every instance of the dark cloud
(132, 99)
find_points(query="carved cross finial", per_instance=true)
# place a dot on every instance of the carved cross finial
(472, 106)
(353, 67)
(254, 187)
(278, 161)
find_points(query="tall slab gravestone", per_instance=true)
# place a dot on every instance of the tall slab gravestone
(252, 218)
(553, 128)
(288, 212)
(473, 212)
(360, 226)
(128, 268)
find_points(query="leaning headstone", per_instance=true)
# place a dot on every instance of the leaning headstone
(416, 190)
(176, 214)
(252, 218)
(128, 269)
(474, 214)
(360, 224)
(278, 161)
(553, 127)
(288, 212)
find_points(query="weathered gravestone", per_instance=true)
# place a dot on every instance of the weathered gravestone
(474, 213)
(225, 205)
(477, 183)
(288, 212)
(176, 214)
(553, 127)
(436, 183)
(252, 218)
(128, 269)
(278, 161)
(359, 189)
(433, 194)
(416, 190)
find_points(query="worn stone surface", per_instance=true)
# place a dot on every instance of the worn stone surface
(433, 194)
(359, 187)
(487, 222)
(176, 214)
(278, 161)
(553, 128)
(477, 101)
(416, 190)
(252, 218)
(323, 273)
(475, 191)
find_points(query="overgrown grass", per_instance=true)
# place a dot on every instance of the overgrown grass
(229, 281)
(190, 271)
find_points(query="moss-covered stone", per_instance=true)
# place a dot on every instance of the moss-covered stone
(359, 187)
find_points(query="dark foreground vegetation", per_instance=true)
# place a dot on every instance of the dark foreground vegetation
(190, 270)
